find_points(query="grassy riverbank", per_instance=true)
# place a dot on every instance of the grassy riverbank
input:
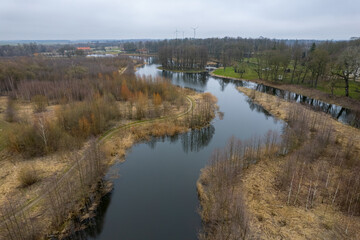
(322, 92)
(182, 71)
(303, 194)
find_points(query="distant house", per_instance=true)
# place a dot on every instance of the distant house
(83, 48)
(142, 51)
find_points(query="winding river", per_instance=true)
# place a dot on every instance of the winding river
(155, 195)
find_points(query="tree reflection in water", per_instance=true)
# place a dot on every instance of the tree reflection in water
(197, 139)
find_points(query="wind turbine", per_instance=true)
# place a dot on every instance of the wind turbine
(194, 28)
(176, 33)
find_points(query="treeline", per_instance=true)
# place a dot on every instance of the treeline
(216, 47)
(24, 49)
(31, 48)
(299, 62)
(29, 76)
(183, 57)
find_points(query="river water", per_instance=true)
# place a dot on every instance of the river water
(155, 195)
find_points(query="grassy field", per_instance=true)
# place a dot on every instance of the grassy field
(354, 89)
(250, 74)
(183, 71)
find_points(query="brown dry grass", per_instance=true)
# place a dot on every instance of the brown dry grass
(271, 217)
(47, 167)
(25, 110)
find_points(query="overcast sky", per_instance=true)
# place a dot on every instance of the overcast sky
(158, 19)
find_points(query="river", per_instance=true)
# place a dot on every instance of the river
(155, 195)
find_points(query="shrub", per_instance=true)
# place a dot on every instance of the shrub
(40, 102)
(10, 112)
(27, 176)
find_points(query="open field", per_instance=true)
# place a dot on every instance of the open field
(249, 74)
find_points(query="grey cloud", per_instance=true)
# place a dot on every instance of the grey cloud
(109, 19)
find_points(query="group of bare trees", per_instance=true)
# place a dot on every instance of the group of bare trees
(56, 78)
(91, 93)
(62, 197)
(223, 210)
(183, 57)
(323, 169)
(302, 64)
(203, 113)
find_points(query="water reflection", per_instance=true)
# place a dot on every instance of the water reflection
(344, 115)
(96, 226)
(258, 108)
(196, 81)
(192, 141)
(197, 139)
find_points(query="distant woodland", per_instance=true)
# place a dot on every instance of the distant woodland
(334, 64)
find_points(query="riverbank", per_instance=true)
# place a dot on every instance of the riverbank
(343, 101)
(300, 195)
(182, 71)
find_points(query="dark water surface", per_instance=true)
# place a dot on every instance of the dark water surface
(155, 195)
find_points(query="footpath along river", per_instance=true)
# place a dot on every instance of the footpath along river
(155, 195)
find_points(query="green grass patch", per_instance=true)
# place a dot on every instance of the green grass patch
(354, 88)
(249, 74)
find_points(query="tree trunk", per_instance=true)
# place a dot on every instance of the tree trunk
(293, 72)
(346, 86)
